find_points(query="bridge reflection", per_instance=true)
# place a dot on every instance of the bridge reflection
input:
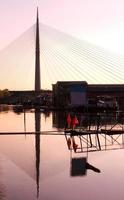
(37, 146)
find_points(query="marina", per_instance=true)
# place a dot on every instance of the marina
(62, 105)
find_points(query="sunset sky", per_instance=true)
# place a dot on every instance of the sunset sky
(99, 22)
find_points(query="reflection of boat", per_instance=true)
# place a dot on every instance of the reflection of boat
(4, 107)
(18, 108)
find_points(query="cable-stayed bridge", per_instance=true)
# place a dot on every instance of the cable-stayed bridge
(63, 58)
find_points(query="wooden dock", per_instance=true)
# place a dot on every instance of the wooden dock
(112, 131)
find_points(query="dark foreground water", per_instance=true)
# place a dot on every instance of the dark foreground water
(42, 167)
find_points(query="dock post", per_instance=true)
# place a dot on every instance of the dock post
(97, 131)
(98, 141)
(90, 140)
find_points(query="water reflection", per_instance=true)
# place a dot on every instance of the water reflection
(79, 166)
(95, 131)
(24, 121)
(91, 167)
(5, 108)
(37, 146)
(63, 158)
(2, 185)
(59, 119)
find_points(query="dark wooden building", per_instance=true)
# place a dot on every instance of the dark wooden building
(62, 93)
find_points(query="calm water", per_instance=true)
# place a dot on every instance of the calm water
(41, 166)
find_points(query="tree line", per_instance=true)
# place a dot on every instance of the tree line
(4, 93)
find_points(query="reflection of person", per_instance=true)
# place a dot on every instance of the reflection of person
(69, 143)
(71, 122)
(72, 144)
(75, 146)
(88, 166)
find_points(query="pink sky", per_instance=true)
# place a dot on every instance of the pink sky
(100, 22)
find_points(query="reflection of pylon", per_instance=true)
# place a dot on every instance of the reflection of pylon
(69, 120)
(74, 122)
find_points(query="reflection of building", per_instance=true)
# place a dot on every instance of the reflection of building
(59, 119)
(78, 166)
(69, 94)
